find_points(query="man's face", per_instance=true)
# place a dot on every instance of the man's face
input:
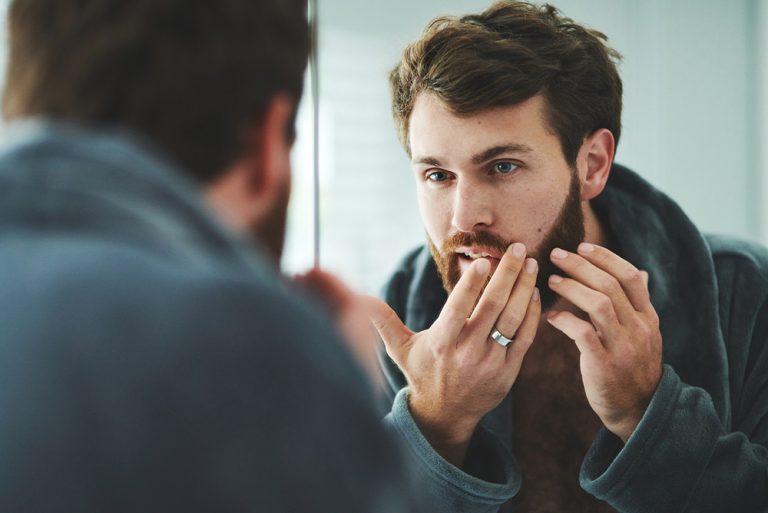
(270, 226)
(251, 196)
(490, 179)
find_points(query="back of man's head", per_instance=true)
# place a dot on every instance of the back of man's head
(190, 75)
(507, 54)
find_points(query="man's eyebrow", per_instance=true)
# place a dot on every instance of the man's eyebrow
(481, 157)
(429, 161)
(495, 151)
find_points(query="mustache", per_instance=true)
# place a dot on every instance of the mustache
(477, 238)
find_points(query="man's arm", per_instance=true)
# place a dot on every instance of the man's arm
(681, 459)
(455, 372)
(680, 455)
(455, 375)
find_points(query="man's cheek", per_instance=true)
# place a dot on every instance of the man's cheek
(437, 223)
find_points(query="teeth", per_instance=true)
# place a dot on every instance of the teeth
(475, 256)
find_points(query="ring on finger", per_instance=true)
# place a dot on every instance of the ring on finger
(501, 339)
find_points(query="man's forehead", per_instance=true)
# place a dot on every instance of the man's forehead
(436, 132)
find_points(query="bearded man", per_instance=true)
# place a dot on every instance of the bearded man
(569, 340)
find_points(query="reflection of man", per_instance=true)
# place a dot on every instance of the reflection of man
(511, 118)
(150, 360)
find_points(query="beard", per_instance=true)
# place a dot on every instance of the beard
(270, 231)
(567, 233)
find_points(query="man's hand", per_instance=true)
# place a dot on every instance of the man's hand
(620, 345)
(455, 372)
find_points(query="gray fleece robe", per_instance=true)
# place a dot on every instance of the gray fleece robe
(152, 361)
(701, 446)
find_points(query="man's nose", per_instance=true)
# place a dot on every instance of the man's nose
(471, 208)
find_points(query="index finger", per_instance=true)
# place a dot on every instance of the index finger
(629, 276)
(496, 295)
(461, 301)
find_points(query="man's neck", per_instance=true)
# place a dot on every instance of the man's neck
(594, 231)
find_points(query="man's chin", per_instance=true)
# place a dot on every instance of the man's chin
(271, 233)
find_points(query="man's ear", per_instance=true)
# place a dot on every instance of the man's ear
(254, 185)
(594, 162)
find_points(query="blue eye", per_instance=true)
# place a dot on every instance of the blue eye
(504, 167)
(437, 176)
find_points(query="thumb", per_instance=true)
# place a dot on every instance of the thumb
(393, 332)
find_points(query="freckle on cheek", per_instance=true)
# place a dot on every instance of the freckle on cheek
(539, 230)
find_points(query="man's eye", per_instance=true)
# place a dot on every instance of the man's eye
(505, 168)
(437, 176)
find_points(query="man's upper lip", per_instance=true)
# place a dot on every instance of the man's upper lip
(492, 253)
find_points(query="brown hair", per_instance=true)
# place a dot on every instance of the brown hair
(511, 52)
(191, 75)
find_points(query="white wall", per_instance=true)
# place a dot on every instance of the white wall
(690, 120)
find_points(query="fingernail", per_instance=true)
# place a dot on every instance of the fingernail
(483, 266)
(518, 249)
(585, 247)
(531, 265)
(536, 295)
(555, 278)
(559, 254)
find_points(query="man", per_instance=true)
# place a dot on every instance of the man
(151, 358)
(616, 359)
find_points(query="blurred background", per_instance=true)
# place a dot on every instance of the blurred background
(694, 124)
(695, 121)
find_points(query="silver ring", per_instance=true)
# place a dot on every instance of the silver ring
(501, 339)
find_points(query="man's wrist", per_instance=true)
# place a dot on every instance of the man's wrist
(448, 436)
(625, 428)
